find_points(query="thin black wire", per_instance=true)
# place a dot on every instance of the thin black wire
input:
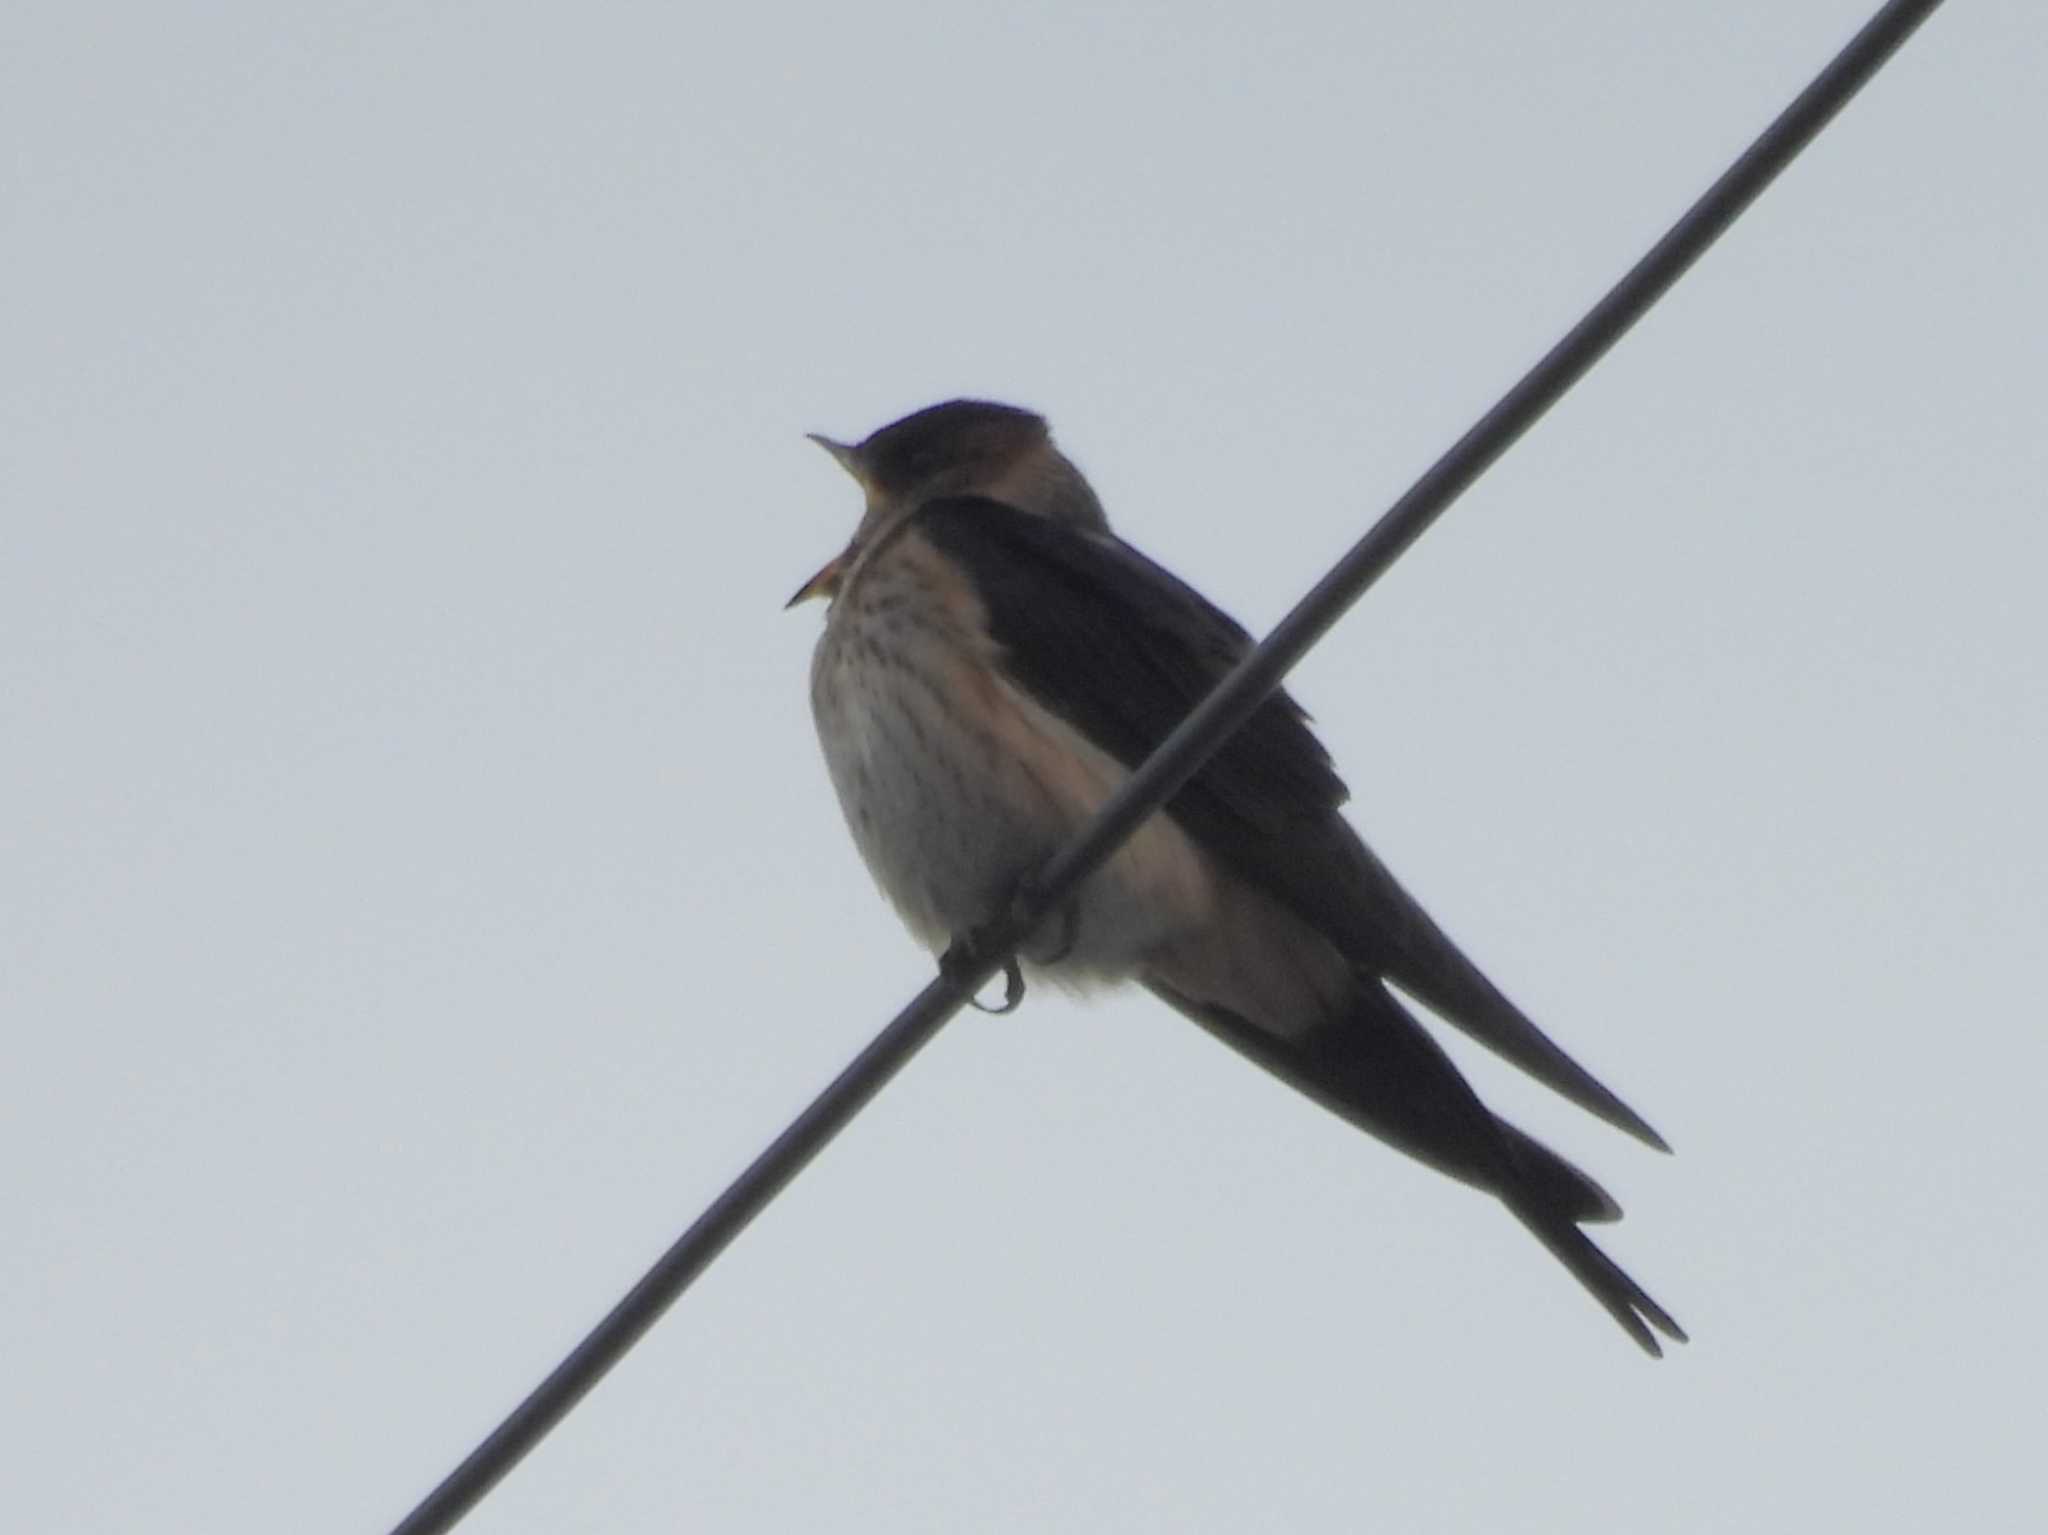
(1177, 759)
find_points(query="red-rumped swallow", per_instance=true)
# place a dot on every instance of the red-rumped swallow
(996, 661)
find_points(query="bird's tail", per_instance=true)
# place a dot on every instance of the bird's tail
(1376, 1066)
(1553, 1199)
(1547, 1182)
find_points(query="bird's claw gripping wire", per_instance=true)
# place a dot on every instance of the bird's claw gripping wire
(1013, 992)
(1070, 924)
(959, 963)
(1024, 904)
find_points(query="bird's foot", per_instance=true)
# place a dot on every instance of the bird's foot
(1024, 904)
(1069, 926)
(1049, 936)
(964, 957)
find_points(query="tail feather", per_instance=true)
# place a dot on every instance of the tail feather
(1551, 1183)
(1625, 1300)
(1376, 1066)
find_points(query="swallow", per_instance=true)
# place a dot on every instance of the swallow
(995, 661)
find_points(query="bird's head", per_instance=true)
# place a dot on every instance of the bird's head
(960, 448)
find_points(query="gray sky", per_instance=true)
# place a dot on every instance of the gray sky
(420, 891)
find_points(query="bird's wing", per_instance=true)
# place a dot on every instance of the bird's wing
(1123, 650)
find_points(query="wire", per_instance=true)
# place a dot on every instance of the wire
(1176, 760)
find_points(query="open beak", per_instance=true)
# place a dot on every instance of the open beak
(825, 583)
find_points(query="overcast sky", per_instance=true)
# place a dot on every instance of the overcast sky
(420, 890)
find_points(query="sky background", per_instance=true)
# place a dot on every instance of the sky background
(420, 890)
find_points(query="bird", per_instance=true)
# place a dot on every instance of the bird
(995, 661)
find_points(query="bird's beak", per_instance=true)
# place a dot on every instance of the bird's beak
(844, 455)
(825, 583)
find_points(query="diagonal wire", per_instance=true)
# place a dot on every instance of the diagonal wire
(1176, 760)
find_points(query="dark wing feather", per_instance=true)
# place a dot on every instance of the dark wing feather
(1123, 650)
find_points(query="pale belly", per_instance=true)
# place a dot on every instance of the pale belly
(957, 785)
